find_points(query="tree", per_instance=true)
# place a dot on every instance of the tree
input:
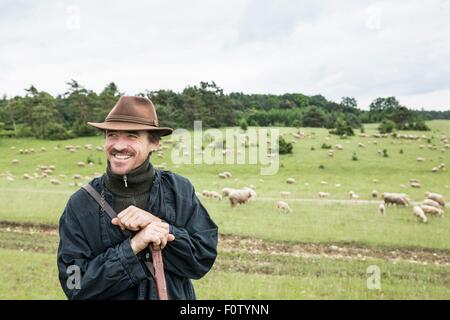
(386, 126)
(342, 128)
(314, 117)
(243, 124)
(349, 103)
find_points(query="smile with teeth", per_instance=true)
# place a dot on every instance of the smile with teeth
(122, 156)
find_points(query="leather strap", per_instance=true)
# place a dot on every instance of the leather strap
(158, 264)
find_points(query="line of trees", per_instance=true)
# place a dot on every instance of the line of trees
(39, 114)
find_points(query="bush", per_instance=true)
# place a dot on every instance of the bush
(385, 154)
(85, 130)
(386, 126)
(284, 147)
(296, 123)
(321, 166)
(354, 157)
(243, 124)
(419, 126)
(342, 128)
(326, 146)
(24, 131)
(55, 131)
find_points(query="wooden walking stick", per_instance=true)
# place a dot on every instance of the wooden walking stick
(160, 279)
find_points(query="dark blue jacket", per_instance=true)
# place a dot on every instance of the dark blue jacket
(102, 253)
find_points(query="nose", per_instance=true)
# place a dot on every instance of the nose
(120, 143)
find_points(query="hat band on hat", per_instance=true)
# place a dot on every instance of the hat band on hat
(125, 118)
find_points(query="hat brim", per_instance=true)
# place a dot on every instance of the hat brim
(128, 126)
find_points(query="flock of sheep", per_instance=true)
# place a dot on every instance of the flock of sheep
(434, 204)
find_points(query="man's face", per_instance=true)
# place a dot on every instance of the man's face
(127, 150)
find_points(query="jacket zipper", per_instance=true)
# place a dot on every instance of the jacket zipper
(125, 181)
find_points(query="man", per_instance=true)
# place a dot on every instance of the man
(158, 208)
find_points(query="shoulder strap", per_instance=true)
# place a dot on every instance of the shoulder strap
(105, 206)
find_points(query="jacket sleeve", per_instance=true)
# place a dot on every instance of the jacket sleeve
(194, 250)
(100, 277)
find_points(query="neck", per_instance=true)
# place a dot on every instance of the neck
(136, 181)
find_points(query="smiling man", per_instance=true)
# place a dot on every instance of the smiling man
(104, 258)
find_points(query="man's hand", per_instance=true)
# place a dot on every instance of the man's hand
(155, 233)
(133, 218)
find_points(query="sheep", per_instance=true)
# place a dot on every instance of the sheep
(55, 182)
(439, 198)
(252, 193)
(226, 191)
(339, 147)
(222, 176)
(227, 174)
(353, 195)
(239, 197)
(285, 193)
(323, 194)
(15, 161)
(283, 206)
(432, 210)
(290, 180)
(432, 203)
(420, 159)
(26, 176)
(395, 198)
(382, 209)
(435, 169)
(361, 145)
(215, 195)
(374, 194)
(415, 184)
(418, 212)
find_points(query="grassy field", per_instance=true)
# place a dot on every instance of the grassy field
(313, 220)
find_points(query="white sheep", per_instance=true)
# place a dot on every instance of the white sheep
(415, 185)
(322, 194)
(429, 202)
(239, 197)
(283, 206)
(226, 191)
(382, 209)
(215, 195)
(396, 198)
(285, 193)
(290, 180)
(439, 198)
(374, 194)
(432, 210)
(418, 212)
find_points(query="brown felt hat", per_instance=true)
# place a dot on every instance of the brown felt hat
(130, 114)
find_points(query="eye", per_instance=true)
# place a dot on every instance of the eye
(111, 134)
(132, 136)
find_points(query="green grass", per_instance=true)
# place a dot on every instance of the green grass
(31, 275)
(38, 201)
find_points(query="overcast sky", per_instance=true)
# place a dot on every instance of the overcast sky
(363, 49)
